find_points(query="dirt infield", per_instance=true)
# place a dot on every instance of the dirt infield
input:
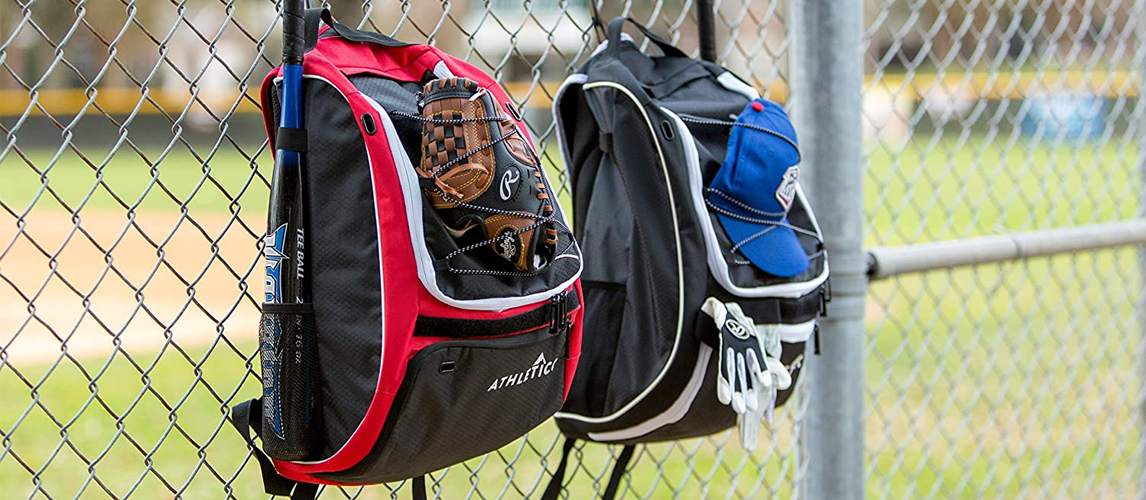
(69, 294)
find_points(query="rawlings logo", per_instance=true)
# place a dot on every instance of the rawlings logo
(736, 329)
(787, 190)
(508, 181)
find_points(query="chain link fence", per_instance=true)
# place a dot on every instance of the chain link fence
(134, 181)
(1022, 379)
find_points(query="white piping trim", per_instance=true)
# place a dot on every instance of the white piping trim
(799, 332)
(381, 281)
(412, 197)
(716, 263)
(674, 413)
(679, 265)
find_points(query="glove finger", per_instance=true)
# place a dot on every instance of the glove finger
(724, 379)
(763, 378)
(749, 424)
(741, 389)
(723, 390)
(752, 374)
(782, 377)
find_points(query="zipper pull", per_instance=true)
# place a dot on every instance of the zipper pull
(816, 339)
(825, 297)
(557, 313)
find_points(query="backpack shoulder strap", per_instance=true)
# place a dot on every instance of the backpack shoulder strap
(246, 417)
(619, 470)
(555, 484)
(311, 25)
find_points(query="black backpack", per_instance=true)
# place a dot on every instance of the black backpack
(642, 137)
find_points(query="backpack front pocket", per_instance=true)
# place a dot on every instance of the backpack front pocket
(508, 384)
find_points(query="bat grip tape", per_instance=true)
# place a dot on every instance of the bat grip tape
(290, 139)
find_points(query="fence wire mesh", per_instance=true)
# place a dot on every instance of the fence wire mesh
(1020, 379)
(134, 179)
(134, 183)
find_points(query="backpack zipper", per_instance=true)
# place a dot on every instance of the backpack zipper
(559, 318)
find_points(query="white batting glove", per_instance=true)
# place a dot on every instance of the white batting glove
(750, 371)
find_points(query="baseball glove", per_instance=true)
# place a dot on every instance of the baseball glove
(482, 177)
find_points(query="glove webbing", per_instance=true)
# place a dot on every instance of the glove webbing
(541, 220)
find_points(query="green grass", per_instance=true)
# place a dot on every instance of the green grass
(222, 182)
(1002, 380)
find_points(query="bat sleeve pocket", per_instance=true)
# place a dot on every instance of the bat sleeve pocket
(289, 355)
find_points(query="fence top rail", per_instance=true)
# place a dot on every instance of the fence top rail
(888, 262)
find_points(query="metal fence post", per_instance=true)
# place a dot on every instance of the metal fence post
(1140, 309)
(827, 69)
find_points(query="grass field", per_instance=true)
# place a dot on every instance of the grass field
(997, 381)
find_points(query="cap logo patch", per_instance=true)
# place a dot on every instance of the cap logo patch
(787, 190)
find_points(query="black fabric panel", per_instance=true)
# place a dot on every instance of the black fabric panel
(343, 248)
(435, 418)
(604, 310)
(395, 96)
(648, 324)
(581, 133)
(432, 326)
(793, 358)
(607, 227)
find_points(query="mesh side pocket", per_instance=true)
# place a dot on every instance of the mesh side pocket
(289, 351)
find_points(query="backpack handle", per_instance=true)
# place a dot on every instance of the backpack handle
(311, 20)
(616, 26)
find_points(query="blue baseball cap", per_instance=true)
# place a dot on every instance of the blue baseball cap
(755, 187)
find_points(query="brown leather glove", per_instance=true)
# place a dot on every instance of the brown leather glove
(478, 171)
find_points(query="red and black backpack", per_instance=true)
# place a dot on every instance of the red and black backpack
(408, 356)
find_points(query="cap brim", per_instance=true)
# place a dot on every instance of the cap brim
(776, 252)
